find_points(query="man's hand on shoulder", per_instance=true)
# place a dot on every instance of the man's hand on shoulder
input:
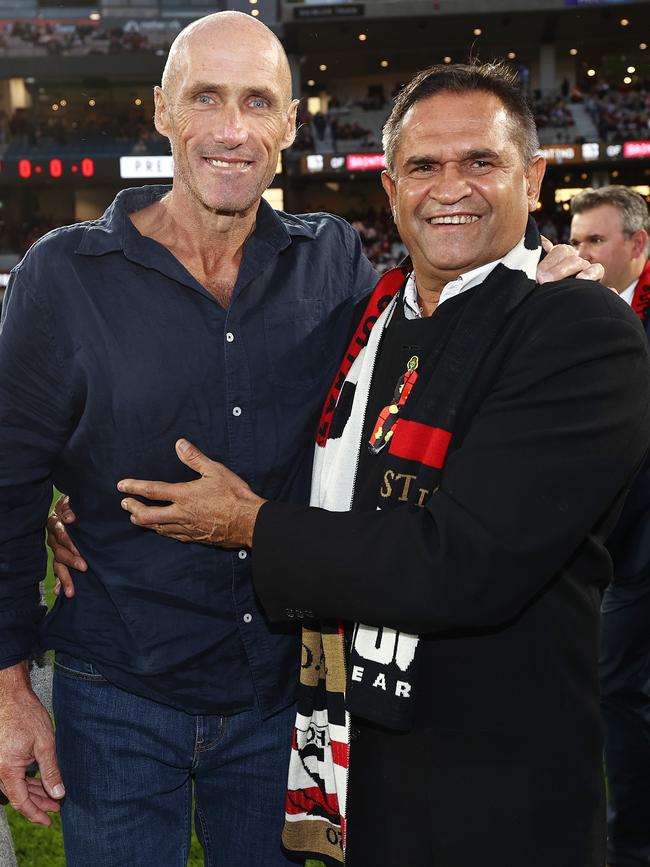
(27, 736)
(562, 261)
(217, 509)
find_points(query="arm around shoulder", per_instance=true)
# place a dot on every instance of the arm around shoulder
(556, 440)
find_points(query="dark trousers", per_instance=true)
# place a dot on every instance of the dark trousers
(625, 690)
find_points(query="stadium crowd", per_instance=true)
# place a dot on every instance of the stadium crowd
(552, 111)
(45, 37)
(129, 129)
(620, 115)
(331, 128)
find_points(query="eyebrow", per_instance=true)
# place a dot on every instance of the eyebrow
(480, 154)
(592, 236)
(211, 87)
(464, 156)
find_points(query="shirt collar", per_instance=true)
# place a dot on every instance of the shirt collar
(115, 231)
(462, 283)
(628, 293)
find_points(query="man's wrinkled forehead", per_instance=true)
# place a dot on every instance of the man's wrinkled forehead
(215, 51)
(431, 118)
(603, 220)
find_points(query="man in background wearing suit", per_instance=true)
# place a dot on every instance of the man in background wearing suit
(610, 225)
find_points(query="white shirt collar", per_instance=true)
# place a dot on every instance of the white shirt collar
(628, 294)
(455, 287)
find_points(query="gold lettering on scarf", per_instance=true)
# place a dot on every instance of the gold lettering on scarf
(408, 478)
(387, 489)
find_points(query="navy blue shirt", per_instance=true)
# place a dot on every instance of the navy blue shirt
(109, 351)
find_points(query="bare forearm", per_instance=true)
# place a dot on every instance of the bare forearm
(13, 680)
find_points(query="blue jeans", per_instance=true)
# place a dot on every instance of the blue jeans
(130, 767)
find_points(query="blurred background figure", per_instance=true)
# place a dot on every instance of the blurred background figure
(610, 225)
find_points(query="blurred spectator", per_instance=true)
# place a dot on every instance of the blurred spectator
(619, 115)
(125, 129)
(326, 129)
(552, 111)
(375, 99)
(65, 37)
(342, 131)
(18, 238)
(381, 243)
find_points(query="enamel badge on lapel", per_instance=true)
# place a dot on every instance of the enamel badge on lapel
(383, 429)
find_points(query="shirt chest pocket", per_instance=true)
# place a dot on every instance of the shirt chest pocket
(295, 343)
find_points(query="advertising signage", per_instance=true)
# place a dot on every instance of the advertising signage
(147, 167)
(365, 162)
(152, 166)
(600, 2)
(348, 10)
(313, 164)
(636, 149)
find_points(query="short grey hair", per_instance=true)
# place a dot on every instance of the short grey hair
(496, 78)
(631, 206)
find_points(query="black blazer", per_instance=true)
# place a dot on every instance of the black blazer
(501, 574)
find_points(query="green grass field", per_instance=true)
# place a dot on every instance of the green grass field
(43, 847)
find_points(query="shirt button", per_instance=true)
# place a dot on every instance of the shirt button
(236, 410)
(230, 336)
(248, 617)
(243, 555)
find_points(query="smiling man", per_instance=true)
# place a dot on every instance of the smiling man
(477, 217)
(197, 310)
(472, 456)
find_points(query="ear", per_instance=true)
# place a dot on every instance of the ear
(639, 242)
(290, 133)
(534, 177)
(161, 111)
(390, 189)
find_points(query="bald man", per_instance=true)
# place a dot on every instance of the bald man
(194, 310)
